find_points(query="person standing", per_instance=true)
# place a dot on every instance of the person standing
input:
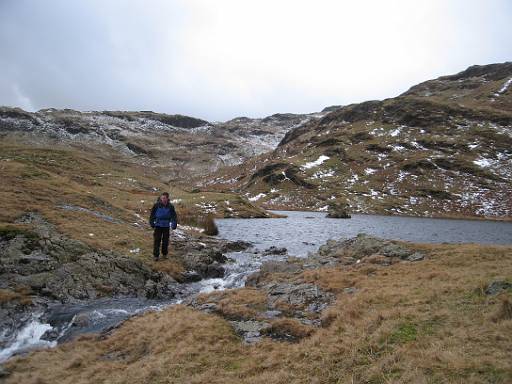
(163, 218)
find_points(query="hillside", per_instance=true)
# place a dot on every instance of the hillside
(175, 146)
(443, 148)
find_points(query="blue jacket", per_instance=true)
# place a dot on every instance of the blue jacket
(163, 216)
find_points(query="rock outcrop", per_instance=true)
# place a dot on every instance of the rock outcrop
(338, 211)
(39, 266)
(362, 248)
(276, 302)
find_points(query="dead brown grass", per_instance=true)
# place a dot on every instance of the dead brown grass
(43, 179)
(289, 329)
(193, 217)
(244, 303)
(210, 228)
(505, 310)
(424, 322)
(7, 295)
(22, 294)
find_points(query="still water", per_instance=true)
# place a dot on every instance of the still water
(303, 232)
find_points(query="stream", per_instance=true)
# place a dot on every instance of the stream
(300, 233)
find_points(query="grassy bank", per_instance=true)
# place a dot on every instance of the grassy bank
(424, 322)
(100, 198)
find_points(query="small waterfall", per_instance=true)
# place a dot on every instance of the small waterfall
(27, 338)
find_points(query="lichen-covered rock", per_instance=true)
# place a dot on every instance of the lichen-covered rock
(362, 248)
(297, 298)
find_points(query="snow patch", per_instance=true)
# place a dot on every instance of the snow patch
(395, 132)
(315, 163)
(353, 179)
(397, 147)
(504, 88)
(402, 175)
(322, 174)
(257, 197)
(483, 162)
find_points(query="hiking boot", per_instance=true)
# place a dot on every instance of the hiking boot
(156, 258)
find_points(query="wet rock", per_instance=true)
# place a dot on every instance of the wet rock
(50, 335)
(207, 262)
(81, 320)
(214, 270)
(338, 211)
(150, 289)
(275, 251)
(497, 286)
(190, 276)
(235, 246)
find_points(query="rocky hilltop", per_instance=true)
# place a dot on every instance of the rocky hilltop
(443, 148)
(174, 145)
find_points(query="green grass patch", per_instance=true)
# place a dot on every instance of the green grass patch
(404, 333)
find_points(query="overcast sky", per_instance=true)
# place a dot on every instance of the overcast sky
(218, 59)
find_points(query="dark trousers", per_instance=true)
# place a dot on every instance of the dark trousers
(161, 235)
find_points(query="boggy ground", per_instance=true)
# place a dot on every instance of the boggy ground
(395, 312)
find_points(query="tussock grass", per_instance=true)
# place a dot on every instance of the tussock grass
(423, 322)
(505, 310)
(236, 304)
(195, 218)
(210, 228)
(288, 329)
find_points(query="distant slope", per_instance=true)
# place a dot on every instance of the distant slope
(176, 146)
(443, 148)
